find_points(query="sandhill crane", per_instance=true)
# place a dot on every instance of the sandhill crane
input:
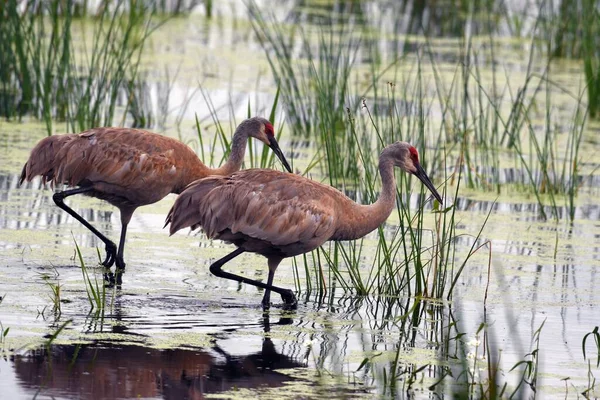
(282, 215)
(130, 168)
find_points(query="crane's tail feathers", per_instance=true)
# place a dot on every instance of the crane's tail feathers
(43, 159)
(168, 219)
(186, 212)
(23, 175)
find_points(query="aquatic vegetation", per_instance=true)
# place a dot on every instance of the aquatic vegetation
(96, 290)
(596, 336)
(49, 71)
(55, 298)
(530, 365)
(3, 331)
(221, 141)
(462, 366)
(315, 93)
(591, 54)
(573, 31)
(485, 124)
(51, 280)
(52, 336)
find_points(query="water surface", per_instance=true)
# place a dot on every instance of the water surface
(175, 331)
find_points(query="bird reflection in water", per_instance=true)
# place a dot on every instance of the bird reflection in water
(113, 370)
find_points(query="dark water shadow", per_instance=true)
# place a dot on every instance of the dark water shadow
(111, 370)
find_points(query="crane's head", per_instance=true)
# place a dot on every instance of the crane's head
(262, 129)
(406, 157)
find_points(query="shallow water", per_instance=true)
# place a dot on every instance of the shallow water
(172, 330)
(171, 311)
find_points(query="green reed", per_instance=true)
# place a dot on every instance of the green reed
(52, 337)
(96, 290)
(466, 366)
(3, 331)
(55, 297)
(139, 105)
(485, 125)
(315, 90)
(260, 157)
(49, 70)
(53, 283)
(485, 131)
(114, 59)
(575, 32)
(595, 334)
(31, 54)
(590, 25)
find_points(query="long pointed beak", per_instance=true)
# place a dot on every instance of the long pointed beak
(420, 173)
(275, 147)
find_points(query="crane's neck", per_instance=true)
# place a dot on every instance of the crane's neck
(362, 219)
(195, 169)
(236, 156)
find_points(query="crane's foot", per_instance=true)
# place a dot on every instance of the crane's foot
(289, 300)
(108, 260)
(111, 279)
(111, 255)
(288, 297)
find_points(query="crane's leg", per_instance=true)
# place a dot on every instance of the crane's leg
(266, 301)
(119, 260)
(116, 278)
(287, 295)
(126, 214)
(289, 298)
(111, 248)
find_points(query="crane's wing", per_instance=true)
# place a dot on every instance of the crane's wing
(126, 160)
(268, 205)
